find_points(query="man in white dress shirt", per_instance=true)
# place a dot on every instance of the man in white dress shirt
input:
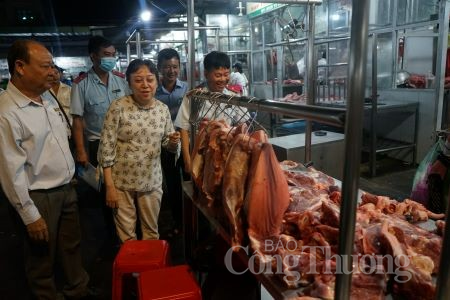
(36, 170)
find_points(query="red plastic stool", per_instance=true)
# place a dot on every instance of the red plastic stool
(138, 256)
(169, 283)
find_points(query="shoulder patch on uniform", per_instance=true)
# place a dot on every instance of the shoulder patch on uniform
(80, 78)
(117, 73)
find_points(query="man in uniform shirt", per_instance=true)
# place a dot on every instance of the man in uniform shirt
(92, 93)
(36, 171)
(171, 92)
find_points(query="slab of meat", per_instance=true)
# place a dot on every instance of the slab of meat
(304, 199)
(330, 214)
(267, 196)
(440, 227)
(410, 210)
(236, 170)
(197, 157)
(300, 176)
(419, 242)
(419, 286)
(368, 286)
(200, 148)
(383, 230)
(215, 156)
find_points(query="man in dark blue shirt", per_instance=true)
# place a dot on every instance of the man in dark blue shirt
(171, 91)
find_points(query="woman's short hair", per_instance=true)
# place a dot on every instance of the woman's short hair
(137, 63)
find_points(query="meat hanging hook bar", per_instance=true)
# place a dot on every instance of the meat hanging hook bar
(326, 115)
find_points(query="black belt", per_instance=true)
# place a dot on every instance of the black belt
(55, 189)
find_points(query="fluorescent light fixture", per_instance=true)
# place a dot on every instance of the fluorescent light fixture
(335, 17)
(145, 16)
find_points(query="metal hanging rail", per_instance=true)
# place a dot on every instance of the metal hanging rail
(170, 29)
(160, 41)
(290, 1)
(327, 115)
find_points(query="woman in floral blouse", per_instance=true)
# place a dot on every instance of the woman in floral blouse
(134, 129)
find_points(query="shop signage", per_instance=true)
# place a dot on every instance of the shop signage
(256, 9)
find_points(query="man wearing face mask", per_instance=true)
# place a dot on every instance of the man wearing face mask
(92, 93)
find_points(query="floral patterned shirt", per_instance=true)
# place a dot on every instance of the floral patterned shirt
(131, 141)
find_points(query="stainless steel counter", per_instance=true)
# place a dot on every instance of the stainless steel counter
(392, 126)
(292, 147)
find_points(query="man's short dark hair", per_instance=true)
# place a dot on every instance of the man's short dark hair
(166, 54)
(137, 63)
(97, 42)
(19, 50)
(216, 60)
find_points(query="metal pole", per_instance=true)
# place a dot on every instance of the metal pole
(130, 37)
(353, 136)
(191, 44)
(128, 53)
(443, 281)
(190, 63)
(138, 44)
(444, 12)
(310, 78)
(373, 113)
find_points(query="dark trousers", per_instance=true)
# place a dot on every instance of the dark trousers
(93, 149)
(13, 283)
(58, 207)
(172, 191)
(98, 199)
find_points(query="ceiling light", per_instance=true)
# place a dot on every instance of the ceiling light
(145, 16)
(335, 17)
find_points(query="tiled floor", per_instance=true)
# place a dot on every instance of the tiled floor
(99, 251)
